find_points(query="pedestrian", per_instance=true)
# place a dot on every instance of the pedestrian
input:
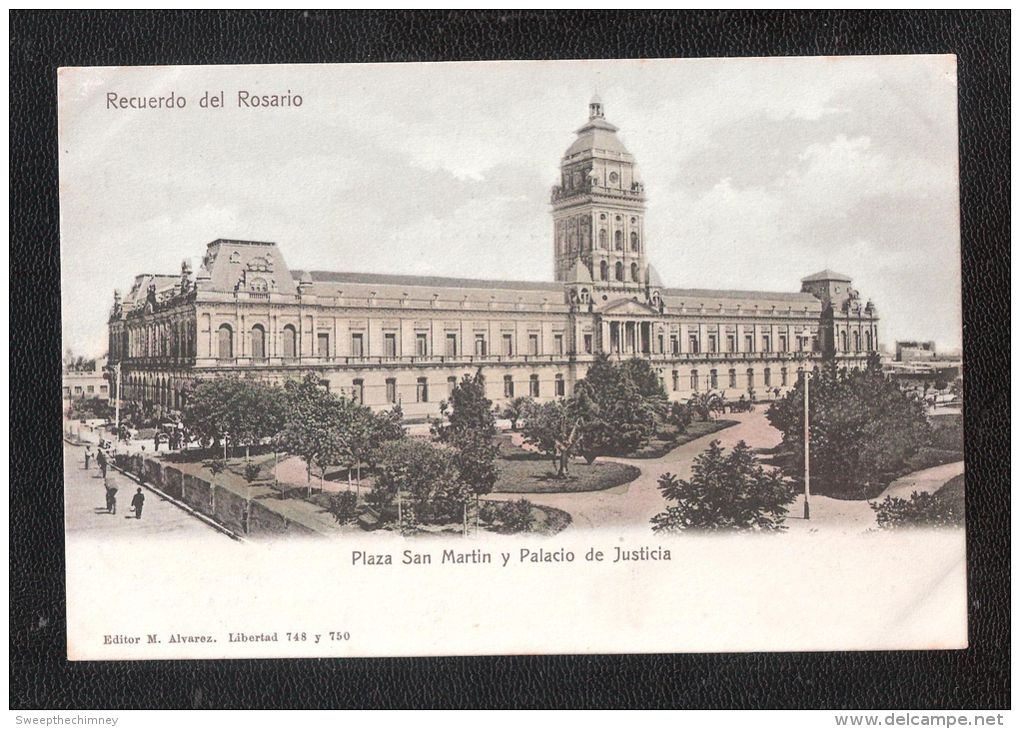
(101, 461)
(88, 456)
(137, 503)
(111, 499)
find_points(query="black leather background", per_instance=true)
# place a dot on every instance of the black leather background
(42, 678)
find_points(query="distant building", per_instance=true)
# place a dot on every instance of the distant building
(914, 351)
(387, 339)
(90, 382)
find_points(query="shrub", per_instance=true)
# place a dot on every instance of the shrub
(251, 471)
(509, 517)
(921, 510)
(216, 466)
(725, 492)
(344, 507)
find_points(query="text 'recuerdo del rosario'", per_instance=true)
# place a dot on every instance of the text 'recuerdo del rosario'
(242, 99)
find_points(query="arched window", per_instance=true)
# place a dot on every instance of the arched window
(619, 271)
(733, 378)
(843, 341)
(634, 273)
(869, 341)
(633, 241)
(857, 341)
(694, 380)
(767, 375)
(750, 378)
(226, 342)
(258, 342)
(713, 379)
(289, 342)
(603, 271)
(258, 286)
(618, 240)
(603, 239)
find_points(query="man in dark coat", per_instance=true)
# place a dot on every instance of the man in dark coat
(111, 498)
(137, 503)
(101, 461)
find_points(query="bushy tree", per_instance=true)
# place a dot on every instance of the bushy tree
(426, 475)
(863, 430)
(468, 429)
(732, 492)
(619, 418)
(556, 429)
(317, 426)
(517, 410)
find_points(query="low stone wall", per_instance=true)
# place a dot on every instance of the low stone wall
(235, 511)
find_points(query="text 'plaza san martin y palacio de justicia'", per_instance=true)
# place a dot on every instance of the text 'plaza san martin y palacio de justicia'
(389, 339)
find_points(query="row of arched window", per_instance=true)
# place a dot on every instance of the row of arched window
(225, 342)
(156, 339)
(846, 339)
(635, 243)
(750, 380)
(619, 272)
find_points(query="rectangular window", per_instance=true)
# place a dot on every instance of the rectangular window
(421, 344)
(103, 389)
(67, 392)
(766, 343)
(661, 346)
(561, 388)
(391, 390)
(390, 344)
(783, 377)
(676, 380)
(713, 380)
(533, 344)
(358, 391)
(767, 377)
(533, 386)
(748, 343)
(508, 386)
(451, 383)
(692, 344)
(322, 344)
(77, 390)
(733, 378)
(91, 389)
(782, 343)
(451, 344)
(731, 342)
(587, 344)
(423, 389)
(357, 344)
(508, 345)
(674, 344)
(713, 346)
(479, 345)
(694, 380)
(558, 343)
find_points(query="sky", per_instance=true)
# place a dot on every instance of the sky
(757, 171)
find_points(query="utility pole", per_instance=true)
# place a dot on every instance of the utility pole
(807, 448)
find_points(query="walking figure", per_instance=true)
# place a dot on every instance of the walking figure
(111, 499)
(137, 503)
(88, 456)
(101, 461)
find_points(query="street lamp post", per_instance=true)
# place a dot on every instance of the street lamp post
(807, 448)
(116, 427)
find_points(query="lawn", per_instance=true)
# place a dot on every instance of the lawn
(523, 472)
(667, 438)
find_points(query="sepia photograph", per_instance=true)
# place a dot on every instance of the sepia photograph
(618, 356)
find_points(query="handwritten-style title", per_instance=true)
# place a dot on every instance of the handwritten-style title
(242, 99)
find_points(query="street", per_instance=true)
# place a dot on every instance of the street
(85, 505)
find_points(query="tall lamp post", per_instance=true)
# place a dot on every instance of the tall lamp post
(807, 447)
(116, 427)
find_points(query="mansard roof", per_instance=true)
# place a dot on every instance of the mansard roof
(384, 279)
(826, 275)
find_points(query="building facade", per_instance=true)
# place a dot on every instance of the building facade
(388, 339)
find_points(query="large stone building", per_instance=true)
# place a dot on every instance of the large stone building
(406, 339)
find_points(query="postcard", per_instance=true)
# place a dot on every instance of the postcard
(416, 359)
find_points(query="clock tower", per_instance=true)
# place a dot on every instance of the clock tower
(599, 211)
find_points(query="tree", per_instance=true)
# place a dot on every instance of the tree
(426, 474)
(517, 409)
(732, 492)
(863, 430)
(704, 405)
(679, 416)
(206, 413)
(317, 426)
(255, 411)
(469, 431)
(556, 430)
(618, 418)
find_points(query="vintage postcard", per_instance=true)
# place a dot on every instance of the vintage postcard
(616, 356)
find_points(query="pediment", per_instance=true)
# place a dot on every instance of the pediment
(628, 307)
